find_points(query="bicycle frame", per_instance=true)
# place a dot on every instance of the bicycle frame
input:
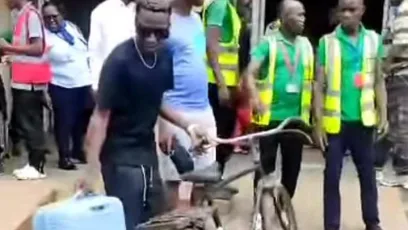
(267, 181)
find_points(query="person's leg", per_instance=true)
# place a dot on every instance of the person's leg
(16, 133)
(291, 151)
(64, 117)
(382, 149)
(82, 117)
(237, 132)
(28, 106)
(34, 129)
(398, 131)
(155, 194)
(361, 145)
(400, 159)
(225, 118)
(268, 147)
(129, 185)
(331, 187)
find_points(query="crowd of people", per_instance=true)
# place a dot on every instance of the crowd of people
(159, 65)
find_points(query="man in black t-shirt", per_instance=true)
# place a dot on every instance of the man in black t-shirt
(129, 100)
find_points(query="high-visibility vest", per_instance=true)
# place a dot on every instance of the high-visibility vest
(265, 86)
(228, 57)
(332, 99)
(26, 69)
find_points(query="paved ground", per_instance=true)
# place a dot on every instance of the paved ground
(308, 200)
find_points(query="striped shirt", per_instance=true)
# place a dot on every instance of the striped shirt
(400, 27)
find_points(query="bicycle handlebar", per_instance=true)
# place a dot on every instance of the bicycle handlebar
(278, 130)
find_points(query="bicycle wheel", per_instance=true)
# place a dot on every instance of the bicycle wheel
(284, 208)
(268, 211)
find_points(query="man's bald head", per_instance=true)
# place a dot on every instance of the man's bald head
(292, 15)
(285, 5)
(359, 2)
(350, 13)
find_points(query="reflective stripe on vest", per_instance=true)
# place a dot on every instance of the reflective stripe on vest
(27, 69)
(228, 57)
(265, 87)
(332, 101)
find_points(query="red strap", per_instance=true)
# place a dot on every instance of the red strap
(292, 67)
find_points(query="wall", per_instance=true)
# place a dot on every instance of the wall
(5, 24)
(4, 16)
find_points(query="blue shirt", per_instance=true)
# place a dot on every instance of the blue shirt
(133, 93)
(187, 43)
(69, 63)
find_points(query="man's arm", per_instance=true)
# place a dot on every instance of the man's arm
(35, 46)
(319, 83)
(214, 18)
(259, 55)
(173, 117)
(95, 137)
(94, 49)
(379, 85)
(107, 97)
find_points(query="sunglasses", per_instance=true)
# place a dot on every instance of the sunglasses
(158, 33)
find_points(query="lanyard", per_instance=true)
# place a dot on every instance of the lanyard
(292, 67)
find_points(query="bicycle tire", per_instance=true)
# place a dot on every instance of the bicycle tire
(268, 211)
(284, 208)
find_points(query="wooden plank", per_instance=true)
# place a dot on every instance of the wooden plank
(20, 200)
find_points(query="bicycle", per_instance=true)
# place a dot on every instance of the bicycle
(270, 195)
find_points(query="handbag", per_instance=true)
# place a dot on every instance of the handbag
(181, 158)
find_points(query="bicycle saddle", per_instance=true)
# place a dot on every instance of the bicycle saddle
(210, 174)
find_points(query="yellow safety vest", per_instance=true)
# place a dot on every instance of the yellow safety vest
(265, 86)
(332, 100)
(228, 58)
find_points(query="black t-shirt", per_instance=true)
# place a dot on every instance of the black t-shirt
(133, 93)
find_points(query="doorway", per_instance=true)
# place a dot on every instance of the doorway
(79, 12)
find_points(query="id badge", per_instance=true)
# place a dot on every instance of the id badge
(292, 88)
(358, 80)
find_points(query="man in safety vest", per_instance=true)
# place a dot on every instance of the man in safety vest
(223, 26)
(31, 72)
(283, 65)
(350, 104)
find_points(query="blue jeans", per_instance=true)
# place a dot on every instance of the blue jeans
(359, 140)
(133, 185)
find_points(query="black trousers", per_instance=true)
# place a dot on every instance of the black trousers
(72, 110)
(386, 149)
(291, 148)
(225, 118)
(359, 140)
(137, 187)
(28, 123)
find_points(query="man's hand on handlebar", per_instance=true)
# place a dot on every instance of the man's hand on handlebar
(199, 138)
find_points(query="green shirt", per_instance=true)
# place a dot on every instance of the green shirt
(218, 14)
(351, 62)
(284, 104)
